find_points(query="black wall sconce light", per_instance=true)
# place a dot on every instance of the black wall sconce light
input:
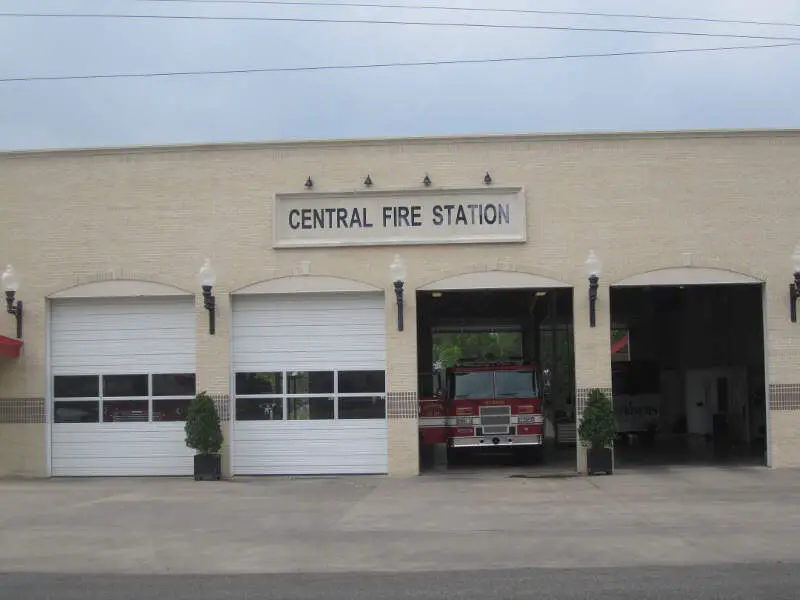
(368, 181)
(487, 179)
(207, 278)
(794, 287)
(593, 267)
(398, 272)
(11, 286)
(427, 181)
(309, 184)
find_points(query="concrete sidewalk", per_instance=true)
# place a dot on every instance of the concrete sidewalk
(468, 520)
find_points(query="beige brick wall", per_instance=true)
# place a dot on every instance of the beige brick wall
(785, 434)
(639, 201)
(23, 450)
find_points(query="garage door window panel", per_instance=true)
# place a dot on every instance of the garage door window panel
(362, 407)
(76, 411)
(125, 386)
(362, 382)
(259, 384)
(173, 409)
(259, 409)
(175, 385)
(310, 382)
(125, 411)
(310, 409)
(76, 386)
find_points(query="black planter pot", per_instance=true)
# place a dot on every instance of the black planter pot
(599, 460)
(207, 467)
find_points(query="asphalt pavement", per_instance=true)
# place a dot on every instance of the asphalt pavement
(721, 582)
(721, 533)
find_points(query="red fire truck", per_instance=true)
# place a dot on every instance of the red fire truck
(485, 405)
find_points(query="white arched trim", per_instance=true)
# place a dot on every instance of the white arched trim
(494, 280)
(299, 284)
(120, 288)
(686, 276)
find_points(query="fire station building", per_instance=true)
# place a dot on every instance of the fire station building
(304, 284)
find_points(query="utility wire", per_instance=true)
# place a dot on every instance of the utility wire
(395, 64)
(382, 22)
(477, 9)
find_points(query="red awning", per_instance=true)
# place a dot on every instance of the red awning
(9, 347)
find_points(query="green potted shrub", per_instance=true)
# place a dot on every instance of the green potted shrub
(597, 430)
(204, 436)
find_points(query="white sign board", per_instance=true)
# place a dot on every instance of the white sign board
(479, 215)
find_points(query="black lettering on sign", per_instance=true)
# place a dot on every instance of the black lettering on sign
(416, 216)
(364, 219)
(449, 209)
(473, 208)
(355, 219)
(490, 214)
(504, 211)
(402, 216)
(341, 218)
(437, 215)
(329, 212)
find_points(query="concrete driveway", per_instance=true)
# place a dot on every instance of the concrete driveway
(468, 520)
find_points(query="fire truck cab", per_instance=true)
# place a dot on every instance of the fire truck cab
(486, 405)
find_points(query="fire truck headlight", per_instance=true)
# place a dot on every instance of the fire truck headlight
(527, 419)
(463, 420)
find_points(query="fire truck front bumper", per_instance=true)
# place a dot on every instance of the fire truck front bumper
(503, 441)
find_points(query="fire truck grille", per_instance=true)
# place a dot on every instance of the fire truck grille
(493, 430)
(495, 419)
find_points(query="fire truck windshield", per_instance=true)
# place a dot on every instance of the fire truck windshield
(498, 384)
(468, 386)
(515, 384)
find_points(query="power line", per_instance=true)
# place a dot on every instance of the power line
(394, 64)
(482, 10)
(384, 22)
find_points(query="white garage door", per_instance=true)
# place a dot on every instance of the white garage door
(310, 384)
(123, 373)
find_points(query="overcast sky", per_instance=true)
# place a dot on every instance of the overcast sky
(753, 88)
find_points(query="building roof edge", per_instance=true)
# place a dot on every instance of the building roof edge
(433, 139)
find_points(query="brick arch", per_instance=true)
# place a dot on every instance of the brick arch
(120, 288)
(494, 280)
(687, 276)
(294, 284)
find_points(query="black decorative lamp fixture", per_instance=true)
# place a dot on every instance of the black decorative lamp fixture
(427, 181)
(794, 287)
(398, 272)
(309, 184)
(11, 286)
(368, 181)
(487, 179)
(593, 267)
(207, 278)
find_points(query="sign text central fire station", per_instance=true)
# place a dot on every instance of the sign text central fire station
(400, 217)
